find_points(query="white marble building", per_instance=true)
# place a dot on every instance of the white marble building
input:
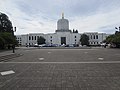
(63, 35)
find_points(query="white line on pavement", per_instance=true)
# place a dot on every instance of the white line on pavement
(61, 62)
(49, 52)
(41, 58)
(100, 58)
(7, 72)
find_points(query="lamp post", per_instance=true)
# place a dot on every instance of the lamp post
(13, 46)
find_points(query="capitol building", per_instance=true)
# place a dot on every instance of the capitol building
(63, 35)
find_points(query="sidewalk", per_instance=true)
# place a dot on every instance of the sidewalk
(7, 55)
(4, 53)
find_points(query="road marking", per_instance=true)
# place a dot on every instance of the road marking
(27, 50)
(41, 59)
(100, 58)
(85, 52)
(49, 52)
(20, 54)
(62, 62)
(7, 72)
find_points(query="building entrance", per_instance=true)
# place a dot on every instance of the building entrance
(63, 40)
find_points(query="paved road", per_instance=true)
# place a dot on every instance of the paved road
(62, 69)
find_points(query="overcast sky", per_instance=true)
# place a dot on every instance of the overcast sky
(40, 16)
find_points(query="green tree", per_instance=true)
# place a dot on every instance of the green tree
(114, 39)
(2, 43)
(41, 40)
(5, 24)
(84, 40)
(7, 39)
(76, 31)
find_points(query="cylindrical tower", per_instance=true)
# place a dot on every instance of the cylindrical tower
(63, 24)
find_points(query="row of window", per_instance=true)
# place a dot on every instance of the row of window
(18, 38)
(33, 37)
(51, 41)
(36, 37)
(93, 37)
(19, 42)
(94, 42)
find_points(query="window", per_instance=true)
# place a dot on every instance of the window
(96, 36)
(29, 38)
(75, 39)
(35, 37)
(75, 36)
(32, 37)
(91, 36)
(50, 36)
(51, 40)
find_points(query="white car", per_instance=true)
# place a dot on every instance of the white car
(42, 45)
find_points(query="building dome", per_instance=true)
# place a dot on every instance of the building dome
(63, 24)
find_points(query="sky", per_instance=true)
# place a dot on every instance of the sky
(41, 16)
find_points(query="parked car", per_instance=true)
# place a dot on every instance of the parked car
(42, 45)
(36, 45)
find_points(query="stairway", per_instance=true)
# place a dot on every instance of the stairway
(6, 58)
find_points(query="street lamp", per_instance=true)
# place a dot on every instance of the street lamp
(13, 46)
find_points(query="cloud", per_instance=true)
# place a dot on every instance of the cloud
(41, 15)
(96, 21)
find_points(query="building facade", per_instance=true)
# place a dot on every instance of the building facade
(63, 35)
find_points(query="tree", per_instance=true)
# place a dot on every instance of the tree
(114, 39)
(84, 40)
(41, 40)
(2, 43)
(7, 39)
(5, 24)
(76, 31)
